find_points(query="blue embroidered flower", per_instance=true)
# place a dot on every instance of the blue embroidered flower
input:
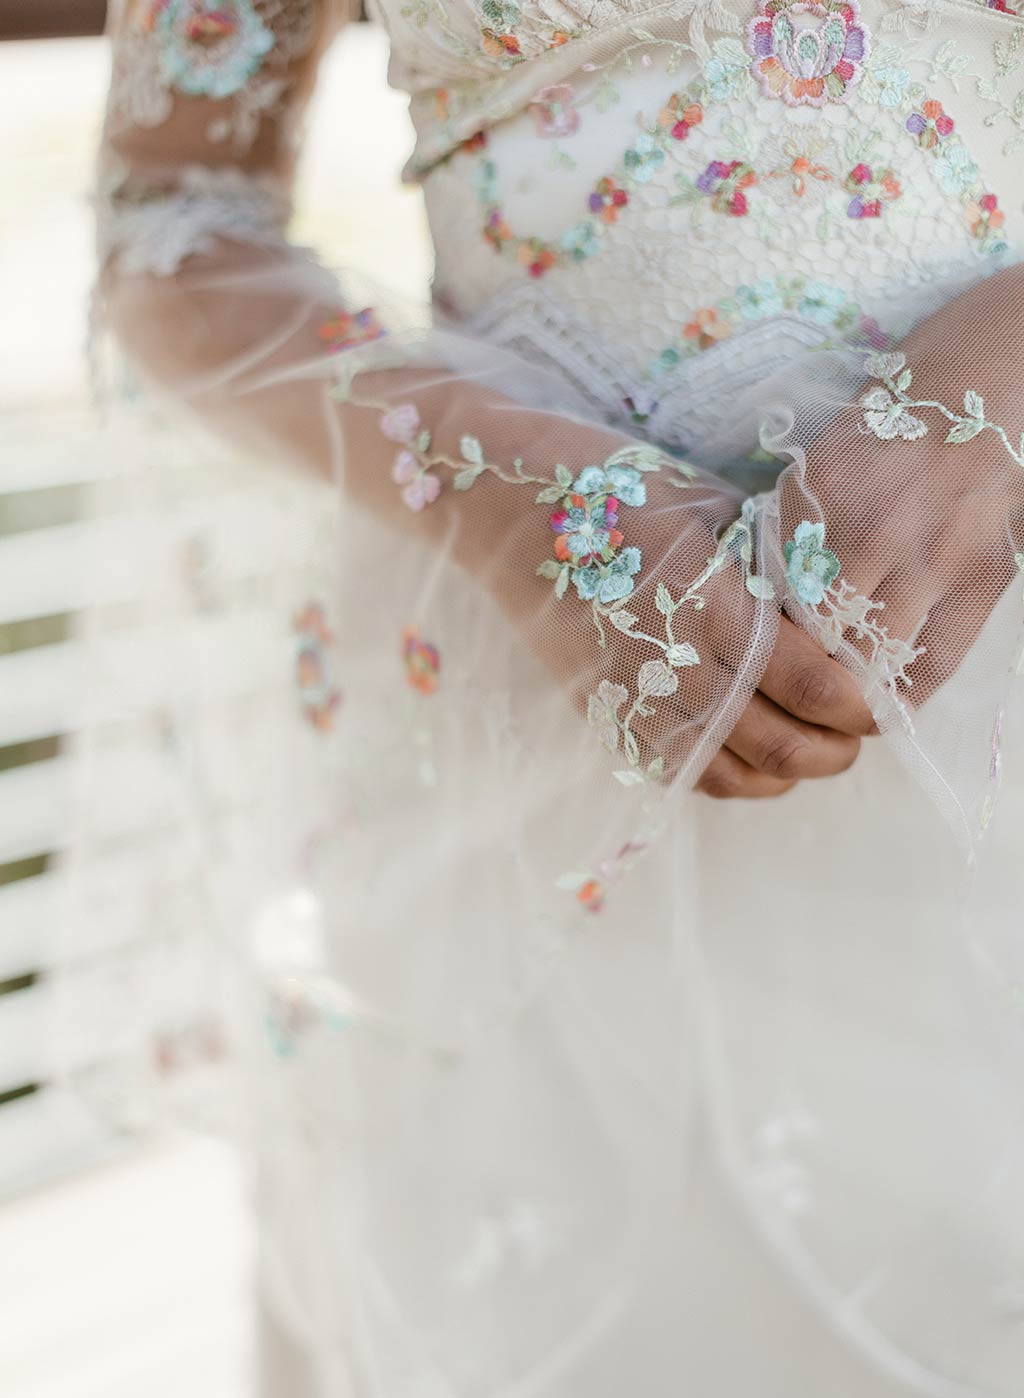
(726, 70)
(761, 299)
(892, 86)
(955, 171)
(209, 49)
(810, 566)
(581, 242)
(644, 158)
(623, 482)
(821, 302)
(611, 583)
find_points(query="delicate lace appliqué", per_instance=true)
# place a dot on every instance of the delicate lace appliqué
(808, 53)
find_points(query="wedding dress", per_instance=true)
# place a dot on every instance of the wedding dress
(561, 1080)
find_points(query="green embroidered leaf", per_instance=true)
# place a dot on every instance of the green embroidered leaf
(563, 580)
(550, 568)
(472, 450)
(629, 778)
(963, 431)
(423, 440)
(464, 479)
(974, 404)
(663, 600)
(904, 381)
(760, 587)
(656, 769)
(549, 495)
(624, 621)
(682, 653)
(563, 476)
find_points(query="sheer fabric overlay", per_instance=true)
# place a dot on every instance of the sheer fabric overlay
(490, 970)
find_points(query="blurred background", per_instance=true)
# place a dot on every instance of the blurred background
(123, 1260)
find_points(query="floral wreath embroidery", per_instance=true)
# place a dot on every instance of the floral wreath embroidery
(209, 49)
(808, 53)
(724, 185)
(319, 695)
(819, 302)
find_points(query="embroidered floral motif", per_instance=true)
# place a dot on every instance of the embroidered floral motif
(930, 125)
(810, 566)
(887, 410)
(591, 889)
(800, 164)
(644, 158)
(553, 111)
(815, 301)
(985, 218)
(345, 330)
(411, 468)
(678, 120)
(588, 542)
(724, 182)
(498, 38)
(319, 695)
(422, 662)
(209, 49)
(607, 199)
(871, 190)
(808, 53)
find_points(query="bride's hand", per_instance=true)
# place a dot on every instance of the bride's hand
(926, 526)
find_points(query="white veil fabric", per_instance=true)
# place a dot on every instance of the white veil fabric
(410, 831)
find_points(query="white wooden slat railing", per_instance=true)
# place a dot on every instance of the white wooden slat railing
(48, 573)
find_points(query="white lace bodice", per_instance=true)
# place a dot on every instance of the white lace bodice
(676, 204)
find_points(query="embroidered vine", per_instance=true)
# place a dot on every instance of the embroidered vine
(890, 412)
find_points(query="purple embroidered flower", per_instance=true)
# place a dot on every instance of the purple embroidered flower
(808, 52)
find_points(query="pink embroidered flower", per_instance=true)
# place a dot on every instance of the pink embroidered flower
(346, 331)
(985, 216)
(871, 191)
(930, 125)
(422, 490)
(422, 662)
(401, 424)
(807, 52)
(553, 111)
(606, 199)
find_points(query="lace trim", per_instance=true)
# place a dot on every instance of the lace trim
(156, 233)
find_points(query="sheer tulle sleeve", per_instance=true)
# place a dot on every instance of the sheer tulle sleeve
(627, 572)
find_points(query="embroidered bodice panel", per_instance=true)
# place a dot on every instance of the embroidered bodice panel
(659, 200)
(666, 201)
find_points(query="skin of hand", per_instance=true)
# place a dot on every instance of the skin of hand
(926, 527)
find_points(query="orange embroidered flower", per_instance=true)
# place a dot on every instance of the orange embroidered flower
(706, 328)
(346, 330)
(680, 120)
(422, 662)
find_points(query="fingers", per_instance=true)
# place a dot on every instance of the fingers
(807, 683)
(783, 747)
(727, 777)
